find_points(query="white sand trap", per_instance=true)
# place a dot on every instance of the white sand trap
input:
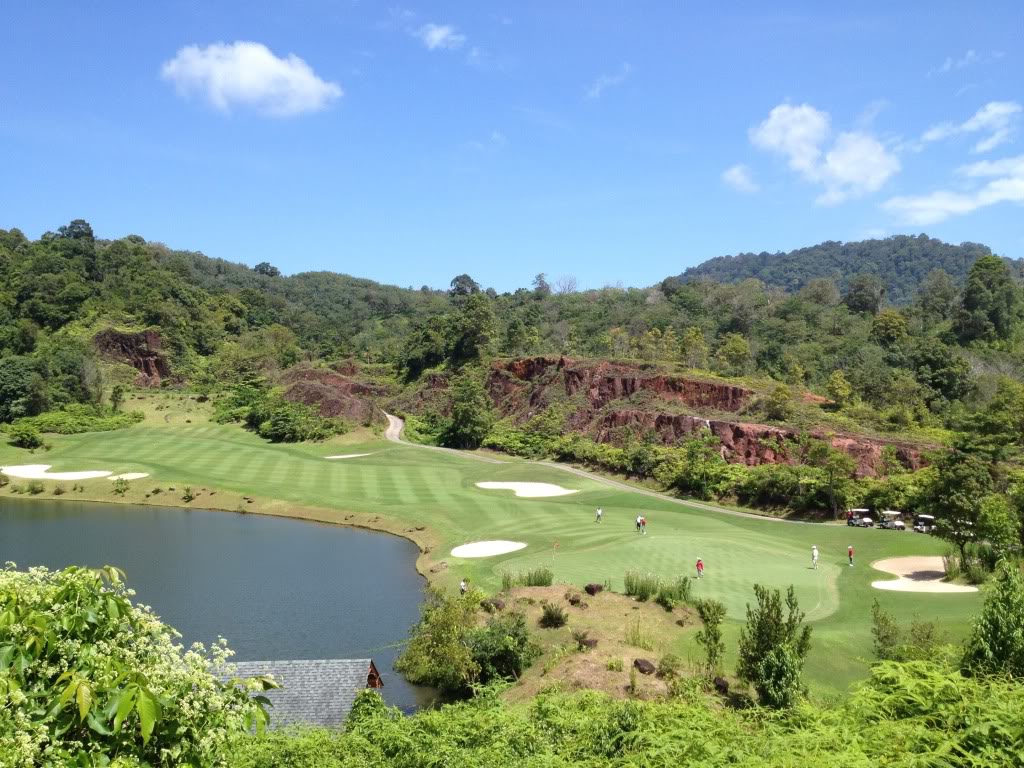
(39, 472)
(129, 476)
(487, 548)
(348, 456)
(917, 574)
(528, 490)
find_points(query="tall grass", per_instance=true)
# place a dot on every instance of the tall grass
(670, 594)
(535, 577)
(638, 636)
(641, 585)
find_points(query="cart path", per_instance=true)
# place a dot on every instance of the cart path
(394, 434)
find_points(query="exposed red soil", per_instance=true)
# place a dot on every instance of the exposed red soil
(333, 394)
(142, 351)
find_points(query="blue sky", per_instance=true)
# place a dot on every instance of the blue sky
(611, 141)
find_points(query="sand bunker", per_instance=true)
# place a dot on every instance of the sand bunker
(487, 548)
(129, 476)
(528, 490)
(917, 574)
(39, 472)
(348, 456)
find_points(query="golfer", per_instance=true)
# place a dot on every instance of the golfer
(700, 568)
(463, 586)
(639, 520)
(600, 512)
(849, 554)
(643, 525)
(814, 556)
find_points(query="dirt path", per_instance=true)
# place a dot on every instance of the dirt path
(394, 434)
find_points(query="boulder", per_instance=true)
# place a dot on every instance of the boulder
(588, 642)
(644, 667)
(593, 589)
(492, 605)
(722, 686)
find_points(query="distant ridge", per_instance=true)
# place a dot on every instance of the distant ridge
(901, 261)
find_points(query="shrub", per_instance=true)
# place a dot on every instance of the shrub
(642, 586)
(670, 666)
(187, 495)
(673, 593)
(773, 647)
(140, 701)
(553, 616)
(25, 436)
(539, 577)
(35, 487)
(76, 418)
(996, 645)
(503, 649)
(638, 636)
(121, 486)
(614, 665)
(581, 636)
(59, 491)
(438, 653)
(711, 613)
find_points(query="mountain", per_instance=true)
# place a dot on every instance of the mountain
(901, 261)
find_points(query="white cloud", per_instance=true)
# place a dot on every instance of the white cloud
(604, 82)
(1005, 185)
(856, 164)
(739, 178)
(247, 74)
(796, 132)
(440, 36)
(997, 119)
(971, 57)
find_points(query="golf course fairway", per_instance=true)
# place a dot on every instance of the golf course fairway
(432, 497)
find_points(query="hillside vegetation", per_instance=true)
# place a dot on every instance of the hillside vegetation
(900, 262)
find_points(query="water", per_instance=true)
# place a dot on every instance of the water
(275, 588)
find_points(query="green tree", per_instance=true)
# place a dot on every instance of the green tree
(837, 468)
(25, 436)
(694, 348)
(734, 354)
(472, 414)
(865, 294)
(117, 394)
(889, 327)
(711, 613)
(773, 646)
(958, 485)
(779, 405)
(996, 645)
(839, 388)
(936, 296)
(463, 285)
(267, 269)
(474, 330)
(999, 524)
(21, 388)
(438, 653)
(990, 307)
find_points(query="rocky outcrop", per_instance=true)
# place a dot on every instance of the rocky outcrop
(753, 444)
(603, 382)
(334, 395)
(141, 350)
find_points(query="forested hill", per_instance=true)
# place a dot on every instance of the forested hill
(901, 262)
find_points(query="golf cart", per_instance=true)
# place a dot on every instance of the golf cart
(859, 518)
(924, 524)
(891, 520)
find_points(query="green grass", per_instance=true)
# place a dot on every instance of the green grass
(405, 486)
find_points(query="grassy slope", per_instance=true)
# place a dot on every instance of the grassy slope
(400, 487)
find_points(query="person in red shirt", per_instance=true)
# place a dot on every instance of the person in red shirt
(700, 568)
(849, 553)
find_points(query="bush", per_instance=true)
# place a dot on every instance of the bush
(711, 613)
(996, 645)
(773, 647)
(35, 487)
(614, 665)
(25, 436)
(59, 491)
(187, 495)
(503, 649)
(74, 419)
(121, 486)
(670, 666)
(581, 638)
(643, 586)
(672, 594)
(553, 616)
(142, 700)
(535, 577)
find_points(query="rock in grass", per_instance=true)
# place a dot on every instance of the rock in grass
(722, 686)
(593, 589)
(492, 605)
(644, 667)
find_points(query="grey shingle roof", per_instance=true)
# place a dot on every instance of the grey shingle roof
(315, 692)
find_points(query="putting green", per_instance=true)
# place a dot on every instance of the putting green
(409, 486)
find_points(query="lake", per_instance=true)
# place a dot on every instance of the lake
(274, 588)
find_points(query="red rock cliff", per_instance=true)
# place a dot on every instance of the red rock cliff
(140, 350)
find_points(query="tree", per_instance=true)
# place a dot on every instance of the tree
(25, 436)
(990, 307)
(503, 648)
(999, 524)
(21, 388)
(936, 296)
(889, 327)
(566, 284)
(266, 268)
(79, 229)
(954, 495)
(463, 285)
(941, 370)
(694, 348)
(839, 388)
(117, 394)
(472, 415)
(773, 647)
(437, 653)
(837, 468)
(541, 287)
(734, 354)
(996, 645)
(473, 330)
(865, 294)
(711, 613)
(779, 406)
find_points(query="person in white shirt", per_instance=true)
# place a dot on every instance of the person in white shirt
(600, 512)
(814, 557)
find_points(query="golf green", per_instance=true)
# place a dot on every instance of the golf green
(408, 486)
